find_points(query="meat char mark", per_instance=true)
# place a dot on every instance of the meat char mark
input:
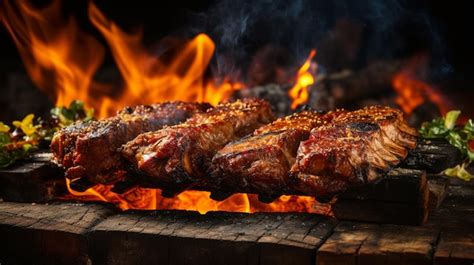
(89, 149)
(177, 157)
(356, 148)
(260, 163)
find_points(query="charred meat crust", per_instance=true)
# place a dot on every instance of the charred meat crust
(355, 148)
(89, 149)
(260, 163)
(178, 157)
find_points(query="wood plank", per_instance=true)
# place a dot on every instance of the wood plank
(358, 243)
(36, 180)
(455, 247)
(179, 237)
(47, 234)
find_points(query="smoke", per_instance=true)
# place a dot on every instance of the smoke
(347, 33)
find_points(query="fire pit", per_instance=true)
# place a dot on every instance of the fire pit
(231, 141)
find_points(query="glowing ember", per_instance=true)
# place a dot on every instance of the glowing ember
(299, 92)
(62, 62)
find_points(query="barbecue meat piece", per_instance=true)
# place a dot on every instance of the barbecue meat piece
(355, 148)
(89, 149)
(176, 158)
(260, 163)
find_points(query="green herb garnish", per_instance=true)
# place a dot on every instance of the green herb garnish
(462, 137)
(29, 133)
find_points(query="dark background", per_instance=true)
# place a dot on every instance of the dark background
(387, 29)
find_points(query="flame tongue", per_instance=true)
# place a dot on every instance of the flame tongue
(50, 53)
(299, 92)
(147, 78)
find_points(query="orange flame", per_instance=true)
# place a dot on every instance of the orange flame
(63, 60)
(149, 79)
(412, 92)
(50, 52)
(304, 78)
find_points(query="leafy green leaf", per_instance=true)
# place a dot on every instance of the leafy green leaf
(434, 129)
(469, 126)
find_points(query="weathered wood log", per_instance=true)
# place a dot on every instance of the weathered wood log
(47, 234)
(455, 247)
(345, 88)
(400, 198)
(334, 90)
(364, 244)
(433, 156)
(214, 238)
(36, 180)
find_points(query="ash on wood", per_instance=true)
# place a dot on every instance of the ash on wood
(35, 180)
(214, 238)
(355, 243)
(46, 234)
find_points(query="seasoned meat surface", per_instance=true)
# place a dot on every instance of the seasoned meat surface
(178, 157)
(260, 163)
(89, 149)
(355, 148)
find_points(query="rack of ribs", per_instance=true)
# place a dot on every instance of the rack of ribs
(355, 148)
(89, 149)
(260, 162)
(176, 158)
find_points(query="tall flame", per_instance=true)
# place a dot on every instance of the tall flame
(50, 53)
(304, 78)
(149, 79)
(62, 61)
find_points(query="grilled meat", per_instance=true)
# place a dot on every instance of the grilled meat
(178, 157)
(89, 149)
(260, 163)
(355, 148)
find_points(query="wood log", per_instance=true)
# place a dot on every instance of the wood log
(366, 244)
(434, 156)
(346, 88)
(400, 198)
(455, 247)
(35, 180)
(47, 234)
(214, 238)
